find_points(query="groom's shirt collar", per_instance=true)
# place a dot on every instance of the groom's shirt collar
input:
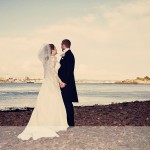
(64, 51)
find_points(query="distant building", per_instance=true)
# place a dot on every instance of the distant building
(27, 78)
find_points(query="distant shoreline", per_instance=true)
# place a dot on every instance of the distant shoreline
(40, 81)
(138, 80)
(119, 82)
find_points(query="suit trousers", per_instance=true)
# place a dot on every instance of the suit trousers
(70, 113)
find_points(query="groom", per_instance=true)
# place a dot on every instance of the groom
(66, 74)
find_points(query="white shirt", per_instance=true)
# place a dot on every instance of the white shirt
(64, 51)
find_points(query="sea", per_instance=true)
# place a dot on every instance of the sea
(20, 95)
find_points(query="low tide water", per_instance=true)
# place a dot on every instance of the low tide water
(25, 94)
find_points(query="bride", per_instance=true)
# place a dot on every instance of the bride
(49, 114)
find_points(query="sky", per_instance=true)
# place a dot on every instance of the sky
(110, 39)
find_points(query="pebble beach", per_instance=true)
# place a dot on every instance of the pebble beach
(120, 126)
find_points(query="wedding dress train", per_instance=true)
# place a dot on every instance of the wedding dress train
(49, 114)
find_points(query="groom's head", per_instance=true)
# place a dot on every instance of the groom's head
(65, 44)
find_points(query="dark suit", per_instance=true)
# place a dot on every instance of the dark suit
(69, 92)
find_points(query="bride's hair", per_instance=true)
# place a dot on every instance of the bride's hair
(52, 47)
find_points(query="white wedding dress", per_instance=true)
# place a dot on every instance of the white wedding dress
(49, 114)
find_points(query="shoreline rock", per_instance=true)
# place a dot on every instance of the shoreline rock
(135, 113)
(138, 80)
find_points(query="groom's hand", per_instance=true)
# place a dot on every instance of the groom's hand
(62, 84)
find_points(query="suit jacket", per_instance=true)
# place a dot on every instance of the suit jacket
(66, 74)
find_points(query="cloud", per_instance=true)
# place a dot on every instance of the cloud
(90, 18)
(108, 43)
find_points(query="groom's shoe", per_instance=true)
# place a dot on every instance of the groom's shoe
(70, 127)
